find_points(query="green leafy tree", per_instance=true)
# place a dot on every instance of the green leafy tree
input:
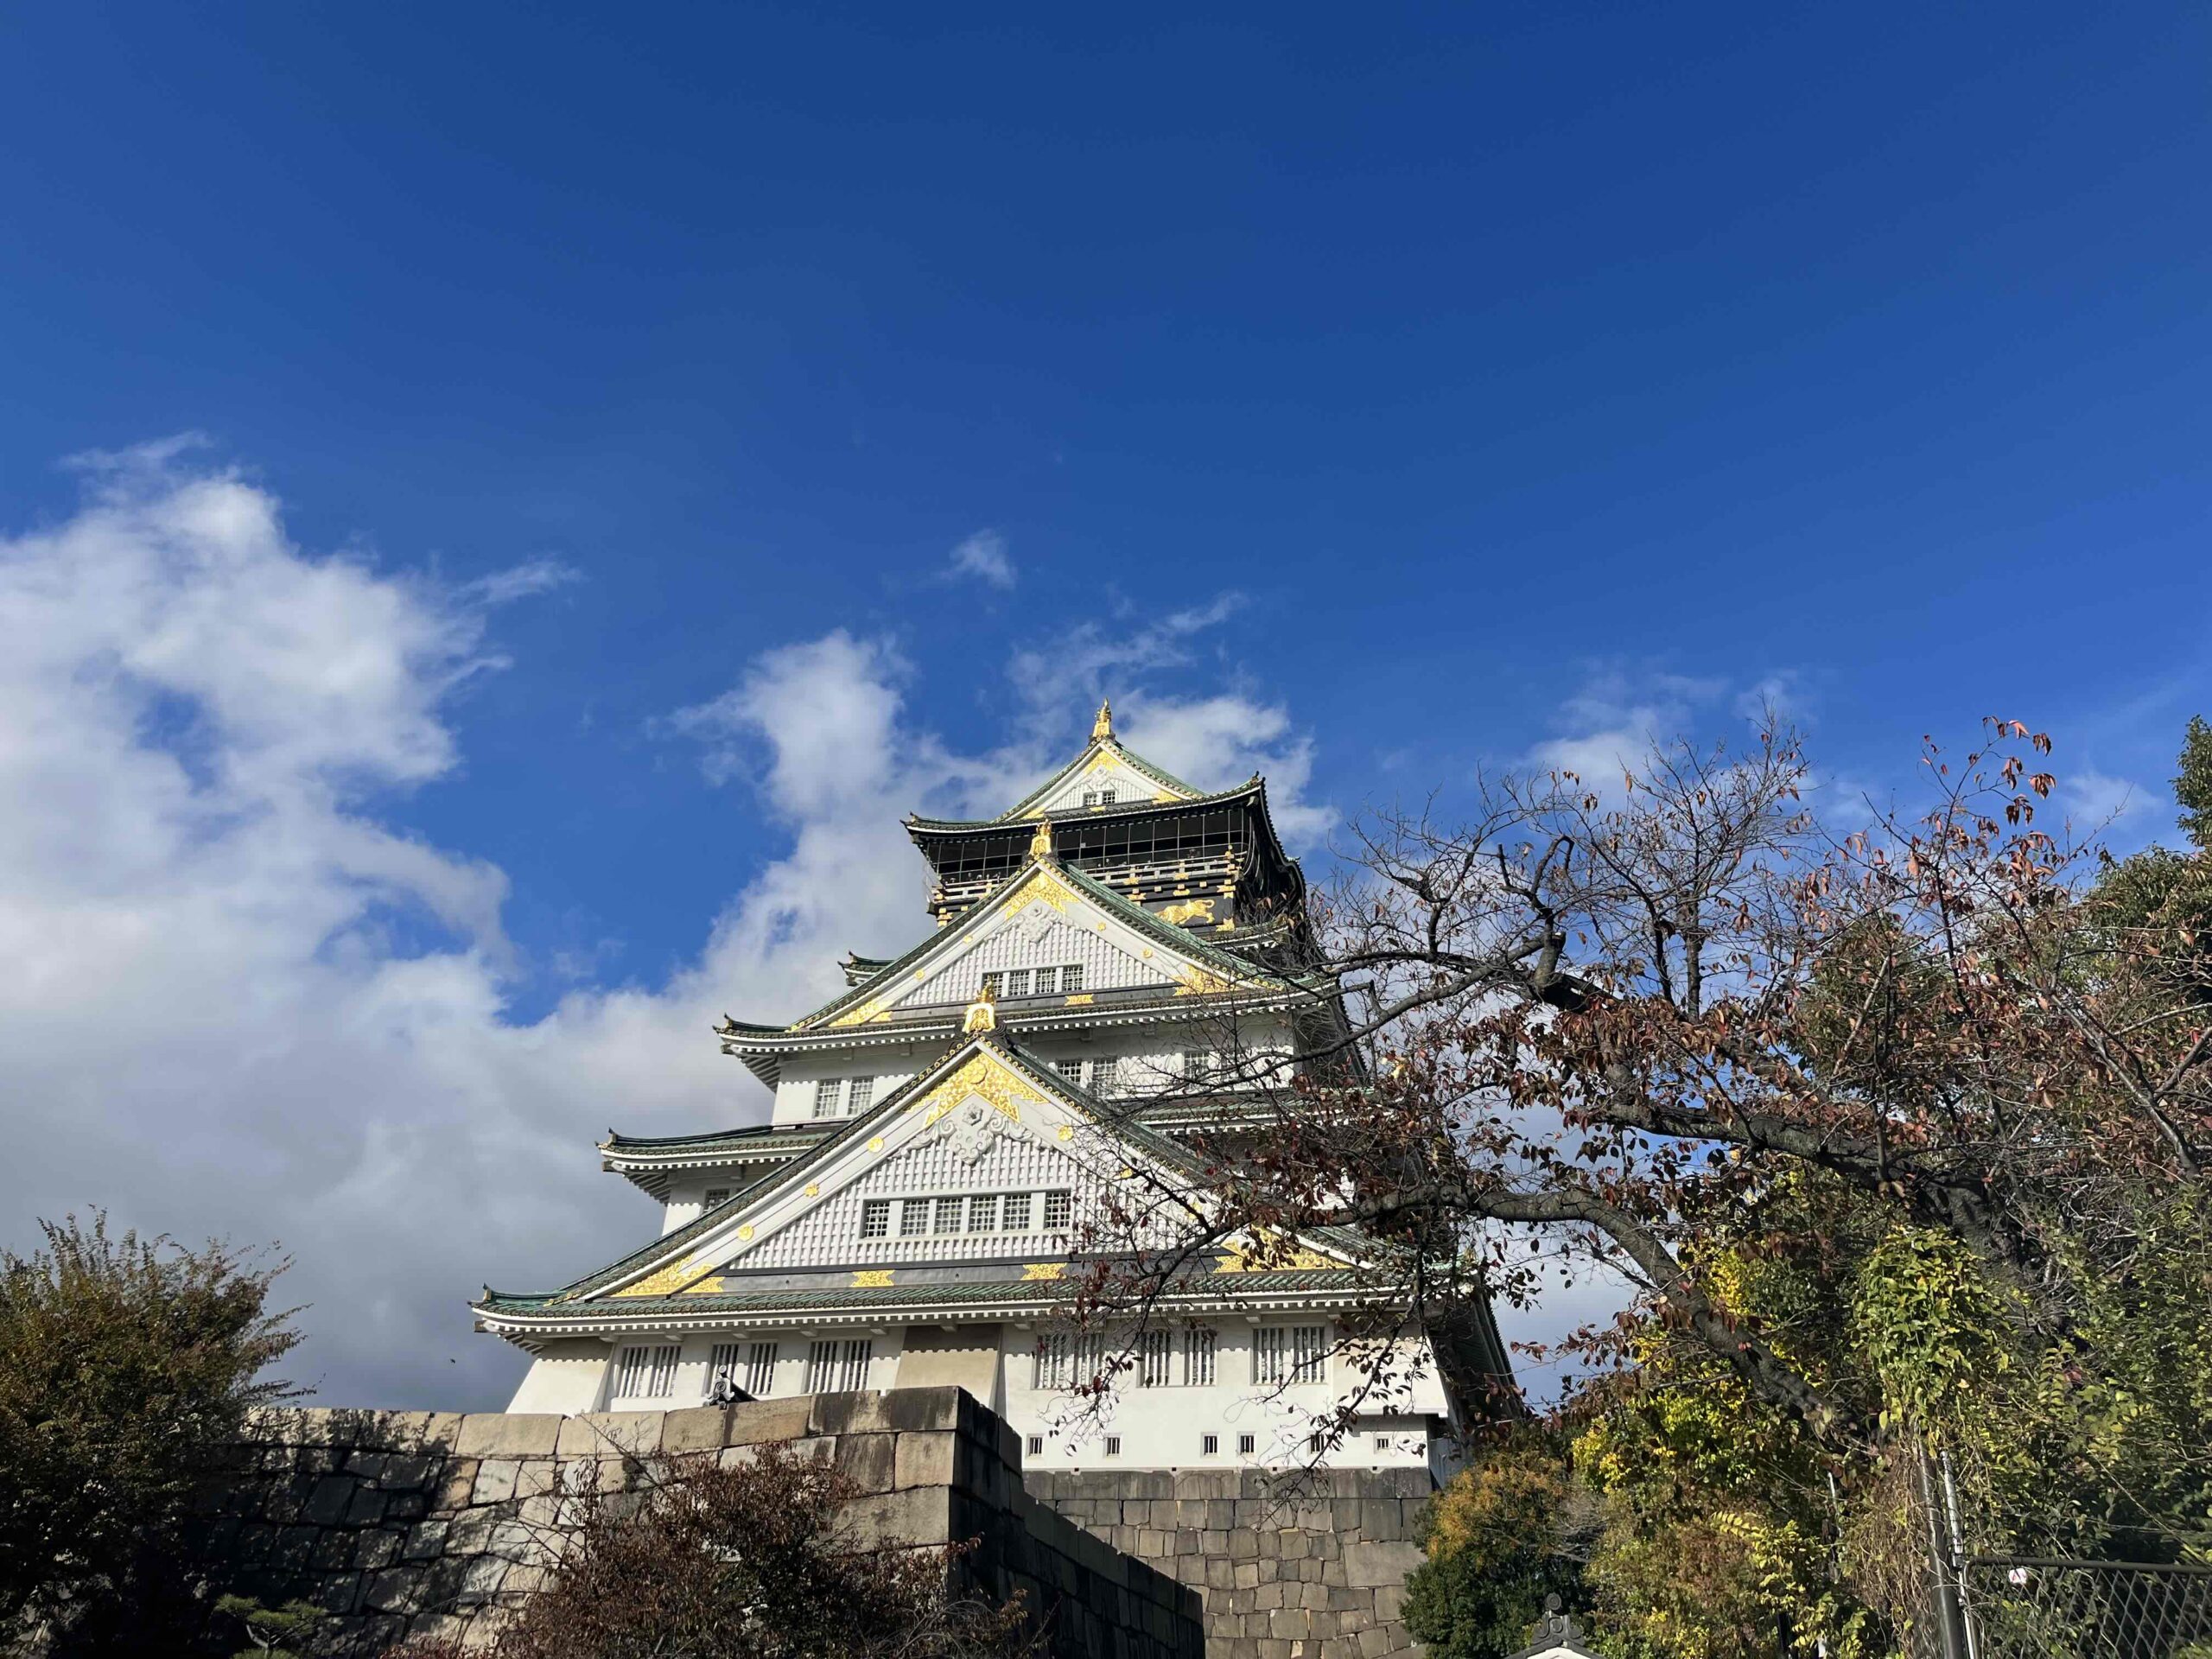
(1512, 1529)
(124, 1361)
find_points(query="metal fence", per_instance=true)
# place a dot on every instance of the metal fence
(2035, 1607)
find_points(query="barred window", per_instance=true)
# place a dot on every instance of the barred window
(1268, 1349)
(1245, 1445)
(1113, 1445)
(713, 1195)
(825, 1097)
(722, 1366)
(1197, 1356)
(1208, 1445)
(858, 1093)
(760, 1370)
(948, 1215)
(983, 1213)
(1105, 1078)
(994, 985)
(1015, 1218)
(913, 1218)
(1195, 1066)
(1048, 981)
(1036, 1445)
(1017, 982)
(1058, 1207)
(1072, 978)
(1154, 1351)
(646, 1373)
(875, 1218)
(1048, 1366)
(838, 1366)
(1070, 1069)
(1309, 1352)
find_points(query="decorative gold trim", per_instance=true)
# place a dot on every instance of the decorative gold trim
(814, 1189)
(871, 1279)
(745, 1232)
(1042, 1270)
(984, 1074)
(871, 1009)
(1103, 725)
(712, 1285)
(1080, 999)
(1066, 1132)
(875, 1143)
(1198, 981)
(1196, 910)
(666, 1281)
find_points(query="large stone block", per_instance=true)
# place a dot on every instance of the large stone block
(1373, 1564)
(919, 1515)
(867, 1460)
(762, 1420)
(609, 1435)
(503, 1434)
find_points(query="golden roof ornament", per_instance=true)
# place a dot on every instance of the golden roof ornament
(1040, 844)
(983, 1012)
(1103, 727)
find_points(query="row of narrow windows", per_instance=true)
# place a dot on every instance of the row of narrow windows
(1281, 1354)
(1210, 1445)
(1162, 1359)
(970, 1213)
(1104, 1076)
(1005, 983)
(835, 1366)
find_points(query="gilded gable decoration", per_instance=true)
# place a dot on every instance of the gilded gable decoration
(1103, 728)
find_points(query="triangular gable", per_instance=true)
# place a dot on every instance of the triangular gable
(1133, 947)
(984, 1102)
(1103, 766)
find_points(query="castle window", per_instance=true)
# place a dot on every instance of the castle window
(1036, 1445)
(948, 1215)
(1154, 1351)
(1245, 1445)
(713, 1195)
(838, 1366)
(1016, 1216)
(1197, 1356)
(646, 1373)
(826, 1092)
(1208, 1445)
(994, 985)
(1113, 1445)
(1317, 1442)
(875, 1218)
(1059, 1206)
(1048, 1366)
(1289, 1353)
(1017, 982)
(1105, 1077)
(857, 1095)
(760, 1370)
(983, 1213)
(1048, 981)
(913, 1218)
(1382, 1442)
(1069, 1069)
(1072, 978)
(721, 1367)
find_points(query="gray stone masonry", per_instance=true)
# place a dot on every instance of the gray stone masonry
(1304, 1567)
(404, 1524)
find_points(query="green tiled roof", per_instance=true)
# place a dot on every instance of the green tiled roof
(1018, 819)
(761, 1136)
(1040, 1293)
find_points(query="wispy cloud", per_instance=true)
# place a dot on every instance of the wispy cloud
(523, 581)
(983, 555)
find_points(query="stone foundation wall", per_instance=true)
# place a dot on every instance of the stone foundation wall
(404, 1523)
(1309, 1567)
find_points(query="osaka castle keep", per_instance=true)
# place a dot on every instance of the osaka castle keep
(946, 1134)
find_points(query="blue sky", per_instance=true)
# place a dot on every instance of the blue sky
(594, 405)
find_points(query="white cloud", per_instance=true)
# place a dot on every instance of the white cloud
(220, 1018)
(983, 555)
(523, 580)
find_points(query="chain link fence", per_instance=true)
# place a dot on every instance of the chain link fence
(1978, 1606)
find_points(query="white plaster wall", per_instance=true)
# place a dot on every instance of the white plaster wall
(893, 1069)
(564, 1377)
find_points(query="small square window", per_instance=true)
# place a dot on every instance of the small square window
(948, 1215)
(1315, 1441)
(857, 1095)
(914, 1218)
(1036, 1445)
(1208, 1445)
(1106, 796)
(713, 1195)
(875, 1218)
(1072, 978)
(1113, 1445)
(983, 1213)
(995, 986)
(1058, 1207)
(1048, 981)
(1015, 1216)
(1245, 1445)
(1382, 1442)
(1017, 982)
(1069, 1069)
(826, 1095)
